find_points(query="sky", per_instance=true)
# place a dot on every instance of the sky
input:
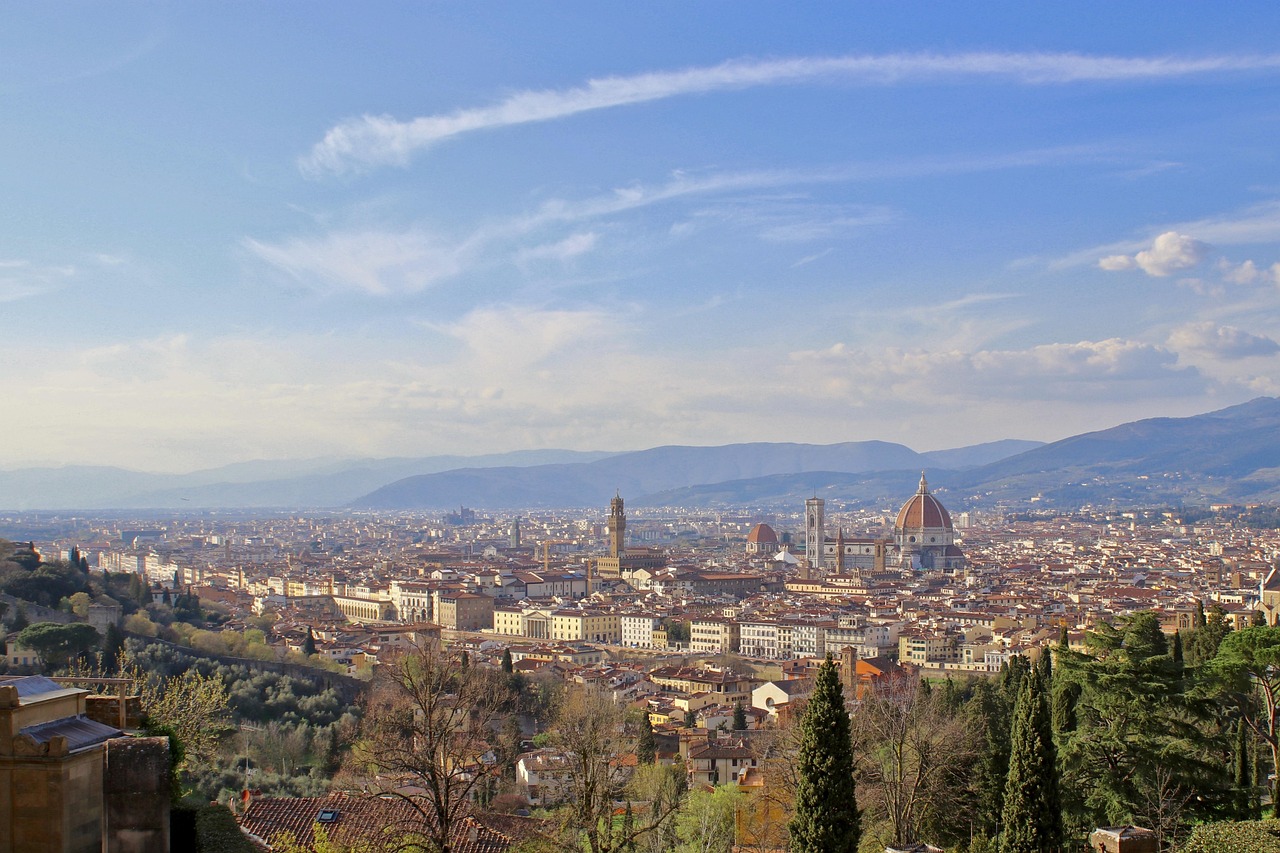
(247, 230)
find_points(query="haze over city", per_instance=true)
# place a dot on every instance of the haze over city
(275, 232)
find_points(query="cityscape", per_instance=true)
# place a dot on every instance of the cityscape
(651, 428)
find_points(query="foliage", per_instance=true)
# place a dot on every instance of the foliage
(705, 823)
(1247, 665)
(1032, 815)
(58, 644)
(989, 714)
(1256, 836)
(218, 832)
(826, 814)
(1146, 747)
(646, 747)
(193, 706)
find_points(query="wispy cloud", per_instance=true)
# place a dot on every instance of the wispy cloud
(20, 279)
(370, 141)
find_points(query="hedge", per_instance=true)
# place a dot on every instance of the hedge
(218, 832)
(1247, 836)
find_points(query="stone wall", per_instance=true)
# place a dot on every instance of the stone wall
(135, 786)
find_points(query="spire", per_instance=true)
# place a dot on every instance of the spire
(924, 485)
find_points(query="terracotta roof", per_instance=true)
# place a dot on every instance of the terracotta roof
(923, 510)
(762, 534)
(381, 822)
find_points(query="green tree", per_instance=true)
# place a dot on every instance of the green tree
(112, 648)
(58, 644)
(705, 823)
(507, 665)
(20, 620)
(739, 717)
(826, 818)
(1203, 643)
(1032, 815)
(1248, 665)
(309, 644)
(646, 747)
(989, 715)
(1143, 747)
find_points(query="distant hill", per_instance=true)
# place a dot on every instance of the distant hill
(656, 471)
(306, 483)
(1231, 455)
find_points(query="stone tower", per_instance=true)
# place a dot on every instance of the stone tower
(617, 528)
(815, 512)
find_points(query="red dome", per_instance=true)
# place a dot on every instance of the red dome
(762, 534)
(923, 510)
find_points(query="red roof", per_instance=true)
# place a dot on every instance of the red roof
(923, 510)
(762, 534)
(382, 823)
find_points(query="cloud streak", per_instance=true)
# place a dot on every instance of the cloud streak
(370, 141)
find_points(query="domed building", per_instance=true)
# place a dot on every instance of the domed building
(924, 534)
(762, 540)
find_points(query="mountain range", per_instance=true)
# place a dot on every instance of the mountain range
(1231, 455)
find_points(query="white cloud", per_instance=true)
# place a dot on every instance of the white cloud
(371, 141)
(378, 263)
(1222, 342)
(1170, 252)
(1108, 370)
(1247, 273)
(568, 248)
(522, 335)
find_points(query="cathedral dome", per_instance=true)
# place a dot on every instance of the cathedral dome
(923, 511)
(762, 534)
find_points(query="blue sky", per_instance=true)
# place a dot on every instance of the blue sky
(261, 230)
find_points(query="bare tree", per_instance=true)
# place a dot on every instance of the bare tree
(909, 749)
(591, 734)
(426, 739)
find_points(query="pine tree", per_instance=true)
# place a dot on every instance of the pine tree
(826, 815)
(646, 747)
(739, 717)
(1032, 815)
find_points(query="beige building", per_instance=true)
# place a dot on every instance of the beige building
(713, 635)
(464, 611)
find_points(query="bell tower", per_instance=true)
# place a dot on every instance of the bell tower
(617, 528)
(815, 512)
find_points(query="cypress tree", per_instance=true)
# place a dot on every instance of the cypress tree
(826, 816)
(739, 717)
(1044, 667)
(1177, 648)
(309, 644)
(507, 665)
(1243, 771)
(112, 646)
(646, 747)
(1032, 814)
(991, 720)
